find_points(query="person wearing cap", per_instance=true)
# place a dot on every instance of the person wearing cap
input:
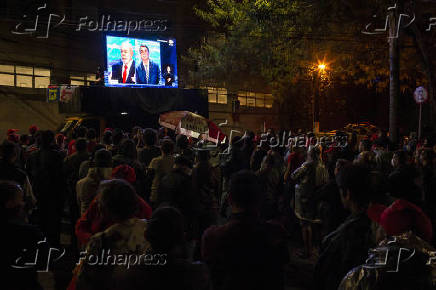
(12, 136)
(403, 258)
(100, 169)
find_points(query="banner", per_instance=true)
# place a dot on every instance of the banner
(53, 93)
(66, 93)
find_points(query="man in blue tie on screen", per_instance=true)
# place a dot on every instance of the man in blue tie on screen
(147, 72)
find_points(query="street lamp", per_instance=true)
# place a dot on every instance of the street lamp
(321, 68)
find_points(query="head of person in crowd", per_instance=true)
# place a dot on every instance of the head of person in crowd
(128, 149)
(364, 145)
(60, 140)
(124, 172)
(80, 132)
(245, 194)
(267, 162)
(353, 182)
(102, 161)
(165, 230)
(24, 140)
(313, 154)
(182, 142)
(117, 200)
(47, 139)
(236, 142)
(118, 136)
(12, 135)
(81, 145)
(426, 158)
(400, 159)
(91, 135)
(340, 164)
(136, 130)
(183, 164)
(203, 156)
(150, 137)
(381, 133)
(366, 159)
(32, 130)
(401, 217)
(167, 147)
(11, 195)
(9, 151)
(107, 137)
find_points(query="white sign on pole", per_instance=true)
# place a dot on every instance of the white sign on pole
(420, 95)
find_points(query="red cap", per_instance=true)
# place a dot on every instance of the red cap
(124, 172)
(108, 129)
(12, 131)
(33, 129)
(401, 217)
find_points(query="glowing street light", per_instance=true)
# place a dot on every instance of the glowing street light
(321, 66)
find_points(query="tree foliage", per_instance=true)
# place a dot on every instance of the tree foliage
(273, 44)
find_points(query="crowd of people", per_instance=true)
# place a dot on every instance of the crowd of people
(363, 211)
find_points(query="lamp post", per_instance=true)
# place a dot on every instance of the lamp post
(320, 69)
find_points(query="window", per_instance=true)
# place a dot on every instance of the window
(7, 80)
(217, 95)
(259, 100)
(24, 76)
(82, 79)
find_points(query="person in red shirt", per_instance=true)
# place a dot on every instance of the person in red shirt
(94, 221)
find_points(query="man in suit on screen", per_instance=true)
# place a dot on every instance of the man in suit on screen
(124, 70)
(147, 71)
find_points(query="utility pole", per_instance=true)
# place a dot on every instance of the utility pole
(394, 68)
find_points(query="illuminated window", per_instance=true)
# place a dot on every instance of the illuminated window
(42, 82)
(217, 95)
(252, 99)
(42, 72)
(26, 70)
(24, 76)
(242, 100)
(6, 80)
(268, 102)
(24, 81)
(251, 102)
(7, 68)
(260, 101)
(82, 79)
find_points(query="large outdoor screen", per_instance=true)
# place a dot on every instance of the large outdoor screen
(135, 62)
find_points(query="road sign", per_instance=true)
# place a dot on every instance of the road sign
(420, 95)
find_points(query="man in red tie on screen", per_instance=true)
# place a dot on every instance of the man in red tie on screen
(124, 70)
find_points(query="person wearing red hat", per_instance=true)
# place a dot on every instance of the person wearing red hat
(12, 136)
(403, 258)
(124, 172)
